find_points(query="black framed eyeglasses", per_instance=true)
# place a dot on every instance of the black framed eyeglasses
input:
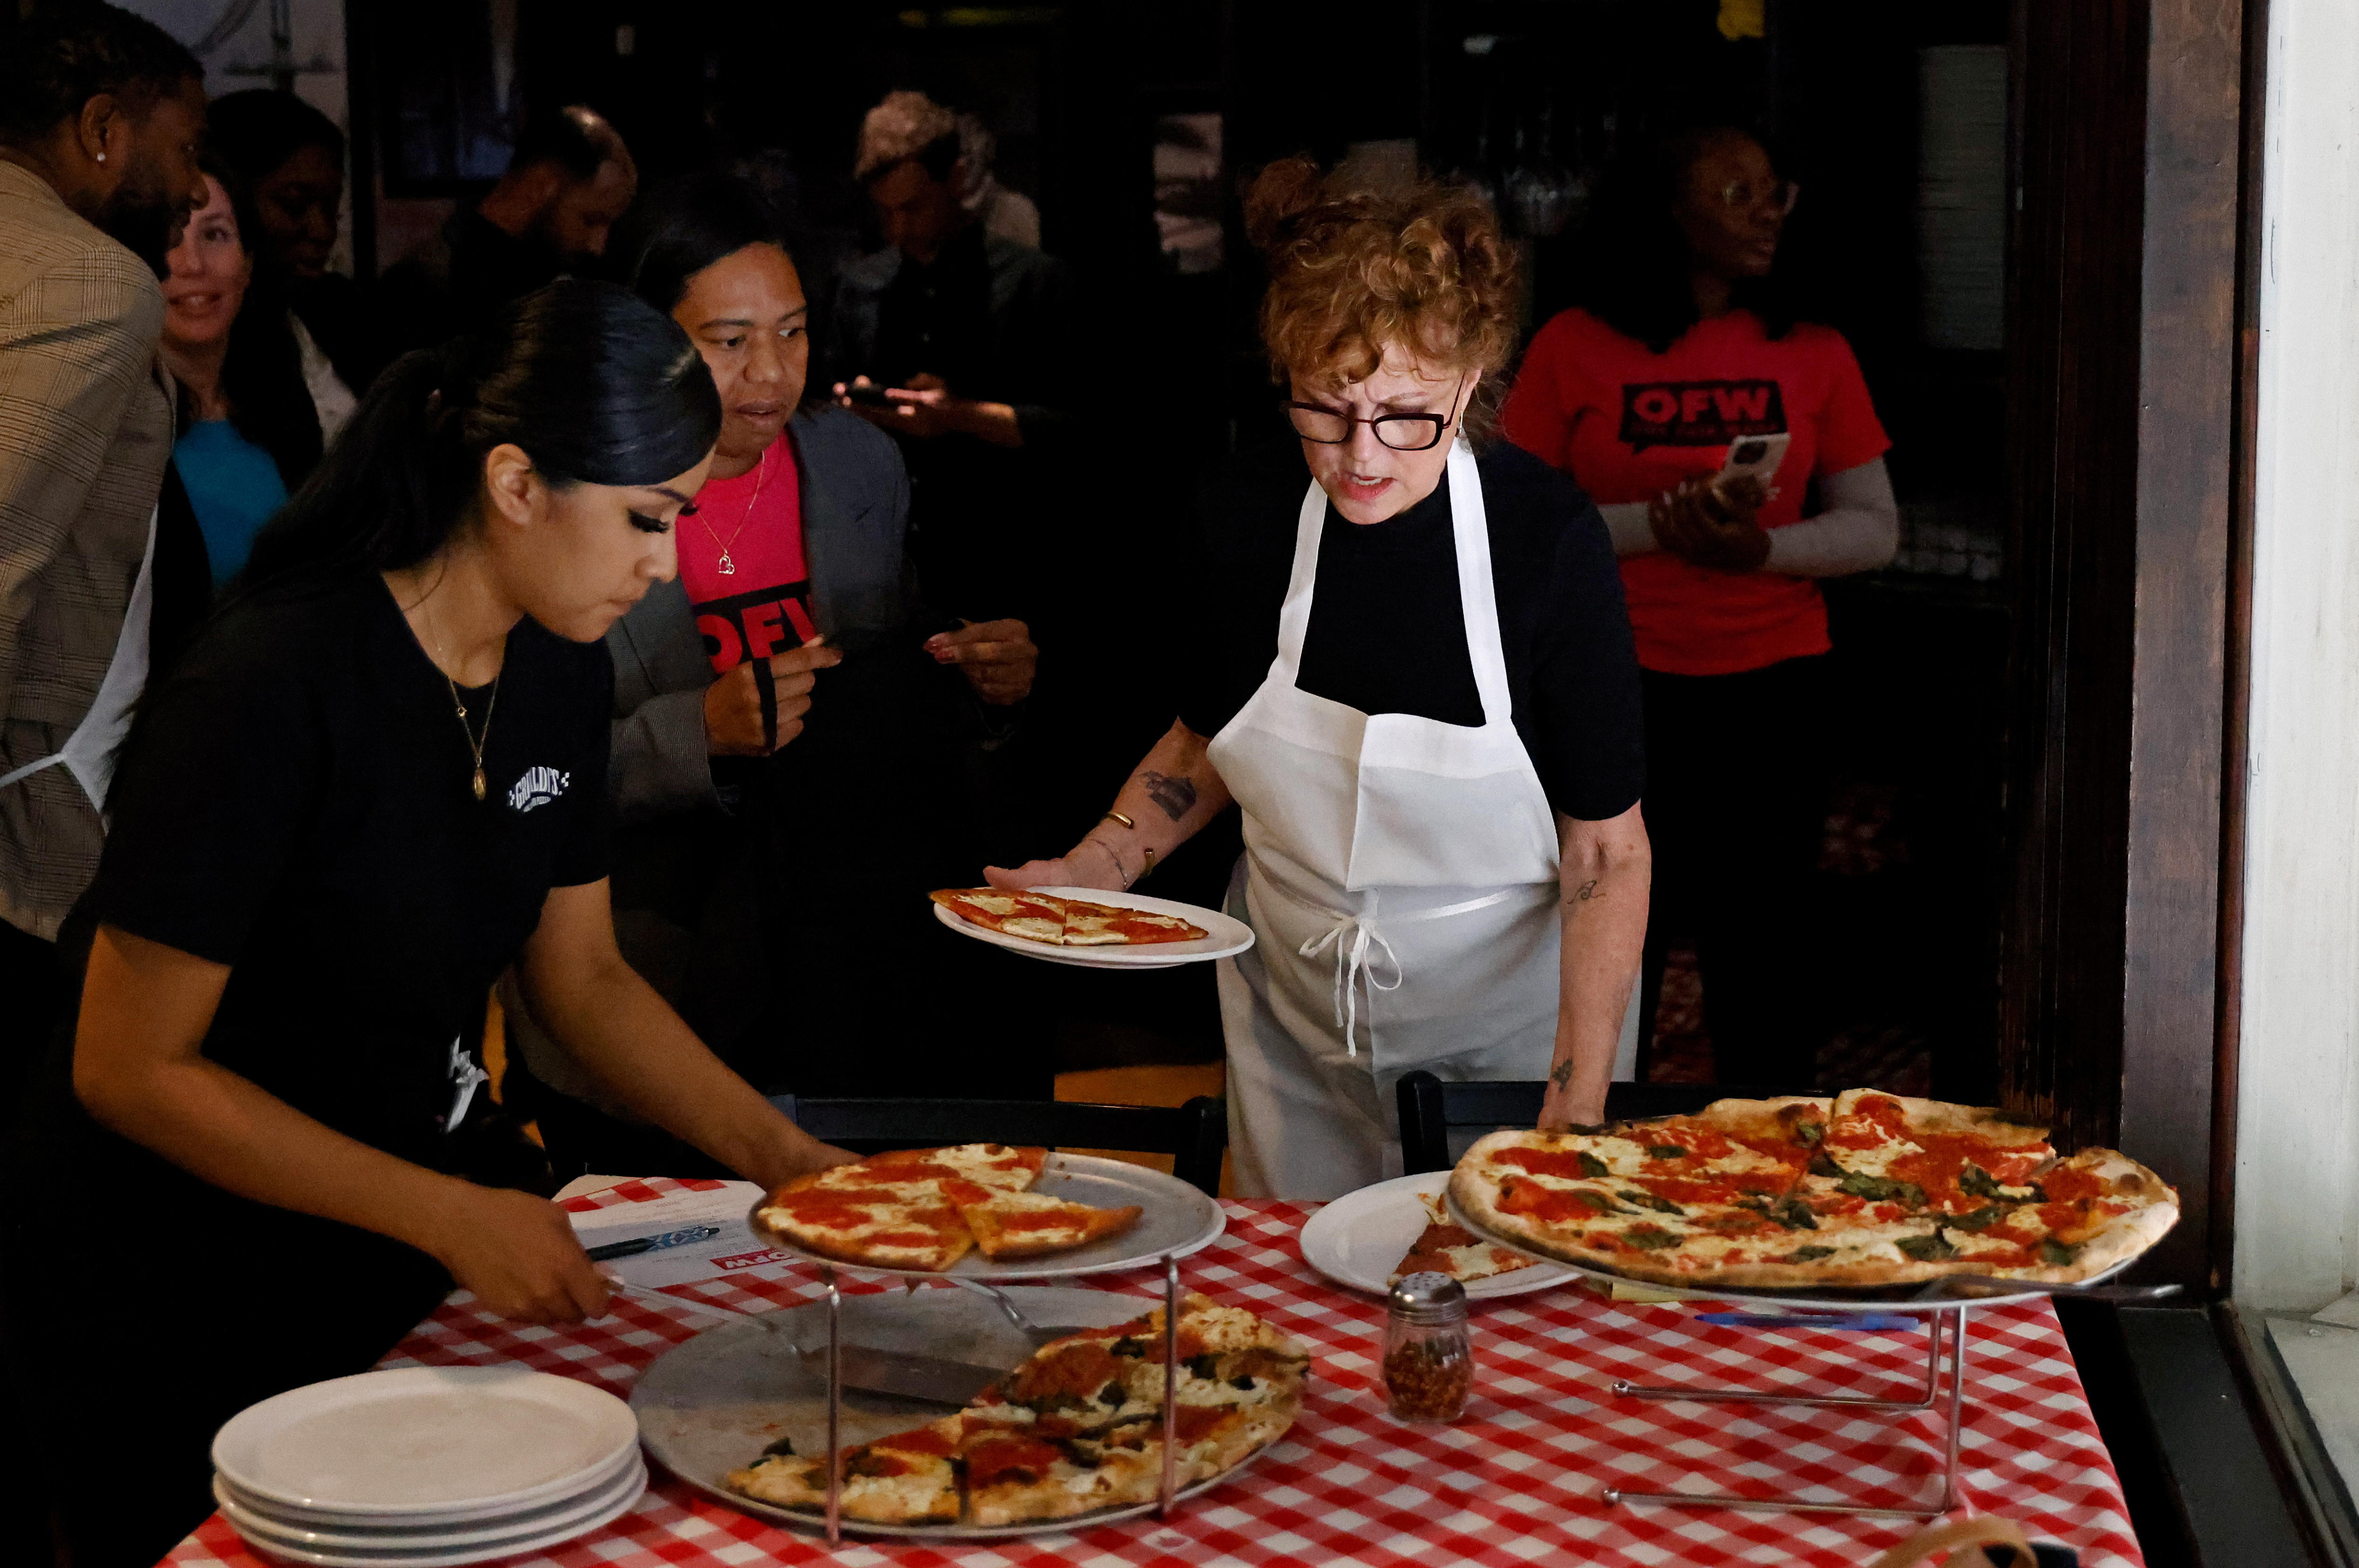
(1401, 432)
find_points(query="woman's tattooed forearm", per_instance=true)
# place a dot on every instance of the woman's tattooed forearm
(1176, 797)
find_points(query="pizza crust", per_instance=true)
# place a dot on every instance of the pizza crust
(1078, 1428)
(1860, 1247)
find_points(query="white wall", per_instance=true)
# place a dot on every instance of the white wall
(318, 26)
(230, 59)
(2297, 1139)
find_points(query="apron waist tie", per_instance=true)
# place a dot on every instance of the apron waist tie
(1354, 936)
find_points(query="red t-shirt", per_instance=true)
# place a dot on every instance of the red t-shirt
(1629, 424)
(758, 603)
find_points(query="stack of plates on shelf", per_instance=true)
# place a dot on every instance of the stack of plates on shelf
(426, 1466)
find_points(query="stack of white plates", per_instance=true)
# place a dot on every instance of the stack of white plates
(426, 1466)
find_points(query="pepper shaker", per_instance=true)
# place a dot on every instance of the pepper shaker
(1428, 1354)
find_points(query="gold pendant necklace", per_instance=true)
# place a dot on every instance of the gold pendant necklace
(474, 744)
(761, 471)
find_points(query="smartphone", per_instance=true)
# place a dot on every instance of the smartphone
(1757, 456)
(874, 396)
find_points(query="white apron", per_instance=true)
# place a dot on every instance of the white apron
(1400, 876)
(88, 752)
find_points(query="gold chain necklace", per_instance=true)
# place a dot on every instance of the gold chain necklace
(474, 743)
(761, 471)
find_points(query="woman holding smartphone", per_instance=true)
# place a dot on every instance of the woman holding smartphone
(373, 784)
(1686, 343)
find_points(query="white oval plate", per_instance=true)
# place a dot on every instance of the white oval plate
(277, 1532)
(623, 1499)
(419, 1440)
(1177, 1220)
(1358, 1239)
(1225, 937)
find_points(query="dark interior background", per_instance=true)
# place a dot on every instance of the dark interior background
(1909, 894)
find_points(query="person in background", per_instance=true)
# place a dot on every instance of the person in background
(959, 344)
(1010, 214)
(100, 117)
(249, 432)
(292, 158)
(1688, 337)
(1414, 676)
(570, 178)
(779, 800)
(399, 727)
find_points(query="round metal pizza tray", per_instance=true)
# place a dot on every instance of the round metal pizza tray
(1832, 1298)
(1176, 1220)
(711, 1404)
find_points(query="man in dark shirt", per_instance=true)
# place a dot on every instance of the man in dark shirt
(548, 216)
(959, 340)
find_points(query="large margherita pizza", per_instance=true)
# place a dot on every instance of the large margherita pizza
(1867, 1188)
(1077, 1428)
(926, 1208)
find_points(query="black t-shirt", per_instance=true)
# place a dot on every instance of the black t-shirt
(297, 803)
(1387, 632)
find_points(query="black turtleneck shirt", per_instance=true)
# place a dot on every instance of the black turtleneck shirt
(1387, 632)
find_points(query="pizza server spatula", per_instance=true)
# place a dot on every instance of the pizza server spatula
(928, 1378)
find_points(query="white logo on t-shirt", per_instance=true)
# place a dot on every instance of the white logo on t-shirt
(537, 787)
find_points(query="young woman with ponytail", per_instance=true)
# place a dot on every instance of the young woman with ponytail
(376, 780)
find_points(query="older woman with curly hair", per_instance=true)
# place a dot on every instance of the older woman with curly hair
(1419, 688)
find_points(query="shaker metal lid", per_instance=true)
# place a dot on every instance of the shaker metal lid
(1428, 1297)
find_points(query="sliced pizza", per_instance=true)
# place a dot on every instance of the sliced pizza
(1000, 1165)
(910, 1478)
(920, 1230)
(1079, 1427)
(1035, 917)
(1010, 1224)
(1063, 921)
(1100, 926)
(1446, 1247)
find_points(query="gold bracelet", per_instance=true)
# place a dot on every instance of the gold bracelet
(1118, 817)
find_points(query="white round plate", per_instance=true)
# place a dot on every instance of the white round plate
(1176, 1220)
(276, 1532)
(418, 1441)
(1358, 1239)
(286, 1516)
(1225, 937)
(621, 1501)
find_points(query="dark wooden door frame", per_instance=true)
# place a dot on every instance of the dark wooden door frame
(2129, 381)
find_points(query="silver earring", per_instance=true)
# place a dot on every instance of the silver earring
(102, 157)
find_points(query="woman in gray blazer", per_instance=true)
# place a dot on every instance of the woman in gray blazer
(795, 740)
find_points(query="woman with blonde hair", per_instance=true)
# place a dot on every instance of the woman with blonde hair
(1419, 687)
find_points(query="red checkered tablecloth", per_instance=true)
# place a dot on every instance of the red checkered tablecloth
(1515, 1482)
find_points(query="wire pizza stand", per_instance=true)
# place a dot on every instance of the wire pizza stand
(1176, 1220)
(1945, 1319)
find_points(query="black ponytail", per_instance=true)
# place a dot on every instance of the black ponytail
(596, 387)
